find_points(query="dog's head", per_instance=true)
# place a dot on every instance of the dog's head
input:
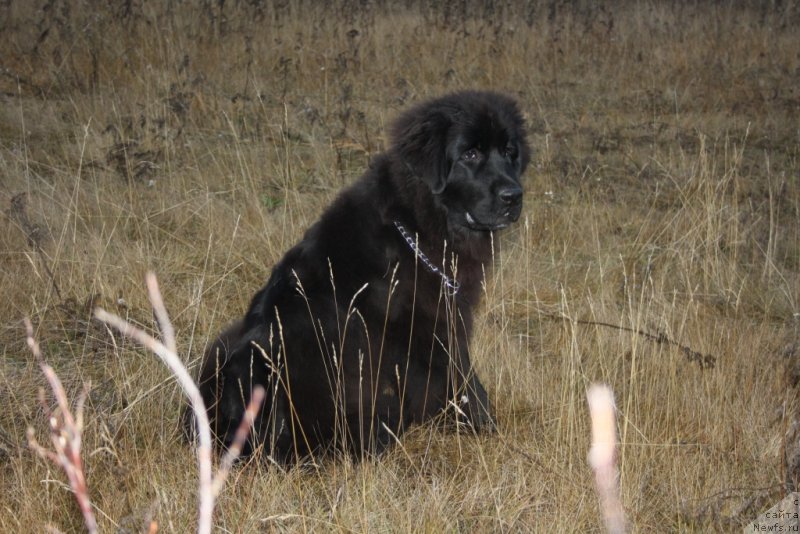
(471, 150)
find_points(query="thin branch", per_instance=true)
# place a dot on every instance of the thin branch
(171, 359)
(239, 439)
(209, 485)
(167, 330)
(705, 361)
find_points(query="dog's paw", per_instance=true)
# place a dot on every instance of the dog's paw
(477, 413)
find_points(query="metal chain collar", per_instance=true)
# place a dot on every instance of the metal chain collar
(451, 284)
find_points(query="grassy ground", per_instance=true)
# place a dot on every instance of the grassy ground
(200, 141)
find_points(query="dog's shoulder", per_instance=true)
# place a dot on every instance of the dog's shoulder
(349, 238)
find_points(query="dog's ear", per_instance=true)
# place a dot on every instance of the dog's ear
(419, 140)
(517, 119)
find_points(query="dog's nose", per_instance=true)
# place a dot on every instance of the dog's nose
(511, 196)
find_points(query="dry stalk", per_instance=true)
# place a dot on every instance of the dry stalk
(253, 406)
(65, 433)
(209, 485)
(602, 456)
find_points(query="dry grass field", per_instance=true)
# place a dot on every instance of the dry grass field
(200, 140)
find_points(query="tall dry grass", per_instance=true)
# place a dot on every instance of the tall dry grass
(200, 140)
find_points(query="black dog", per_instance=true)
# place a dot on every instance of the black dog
(363, 327)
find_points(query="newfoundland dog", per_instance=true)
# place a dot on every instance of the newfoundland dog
(363, 327)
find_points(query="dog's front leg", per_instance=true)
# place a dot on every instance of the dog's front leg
(470, 396)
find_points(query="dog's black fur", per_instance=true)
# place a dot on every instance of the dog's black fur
(355, 338)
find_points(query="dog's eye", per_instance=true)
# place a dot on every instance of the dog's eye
(510, 151)
(473, 154)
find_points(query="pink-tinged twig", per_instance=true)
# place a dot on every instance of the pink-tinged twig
(256, 398)
(209, 485)
(602, 456)
(65, 433)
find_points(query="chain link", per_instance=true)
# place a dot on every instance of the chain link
(451, 285)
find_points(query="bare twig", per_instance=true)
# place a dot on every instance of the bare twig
(256, 398)
(65, 433)
(167, 330)
(705, 361)
(602, 456)
(203, 429)
(209, 486)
